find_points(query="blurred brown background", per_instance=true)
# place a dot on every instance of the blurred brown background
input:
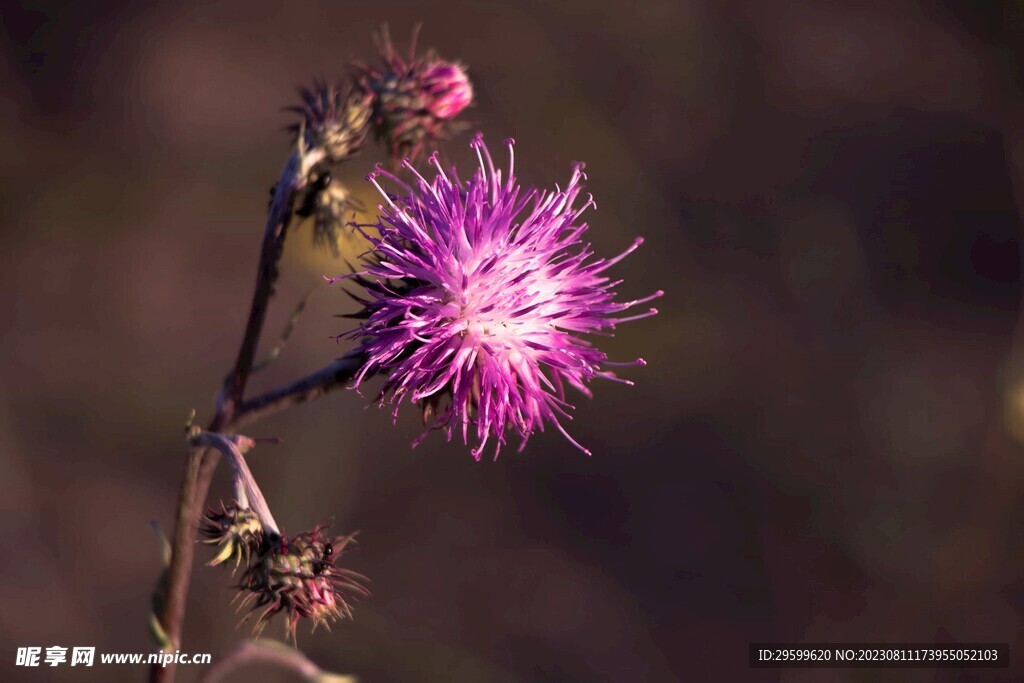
(816, 452)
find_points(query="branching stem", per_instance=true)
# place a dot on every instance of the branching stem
(202, 460)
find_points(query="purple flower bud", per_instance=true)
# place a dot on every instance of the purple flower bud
(448, 89)
(414, 99)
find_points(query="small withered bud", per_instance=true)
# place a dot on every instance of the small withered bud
(320, 183)
(299, 577)
(334, 118)
(235, 530)
(414, 99)
(332, 207)
(333, 211)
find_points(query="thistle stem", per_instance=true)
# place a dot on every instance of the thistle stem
(278, 218)
(254, 652)
(180, 566)
(196, 480)
(306, 389)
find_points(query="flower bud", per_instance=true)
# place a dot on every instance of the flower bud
(413, 99)
(448, 89)
(298, 577)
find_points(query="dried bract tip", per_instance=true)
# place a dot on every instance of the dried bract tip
(335, 119)
(414, 99)
(299, 577)
(235, 530)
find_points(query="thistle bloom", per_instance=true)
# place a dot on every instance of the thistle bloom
(414, 99)
(299, 577)
(478, 295)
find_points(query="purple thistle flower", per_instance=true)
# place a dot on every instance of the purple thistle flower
(478, 296)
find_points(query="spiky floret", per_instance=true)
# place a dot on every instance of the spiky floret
(236, 531)
(299, 577)
(478, 295)
(414, 98)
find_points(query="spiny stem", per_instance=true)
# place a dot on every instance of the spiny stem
(278, 217)
(180, 567)
(179, 572)
(306, 389)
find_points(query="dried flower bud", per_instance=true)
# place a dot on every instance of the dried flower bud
(236, 530)
(334, 119)
(298, 576)
(332, 207)
(414, 99)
